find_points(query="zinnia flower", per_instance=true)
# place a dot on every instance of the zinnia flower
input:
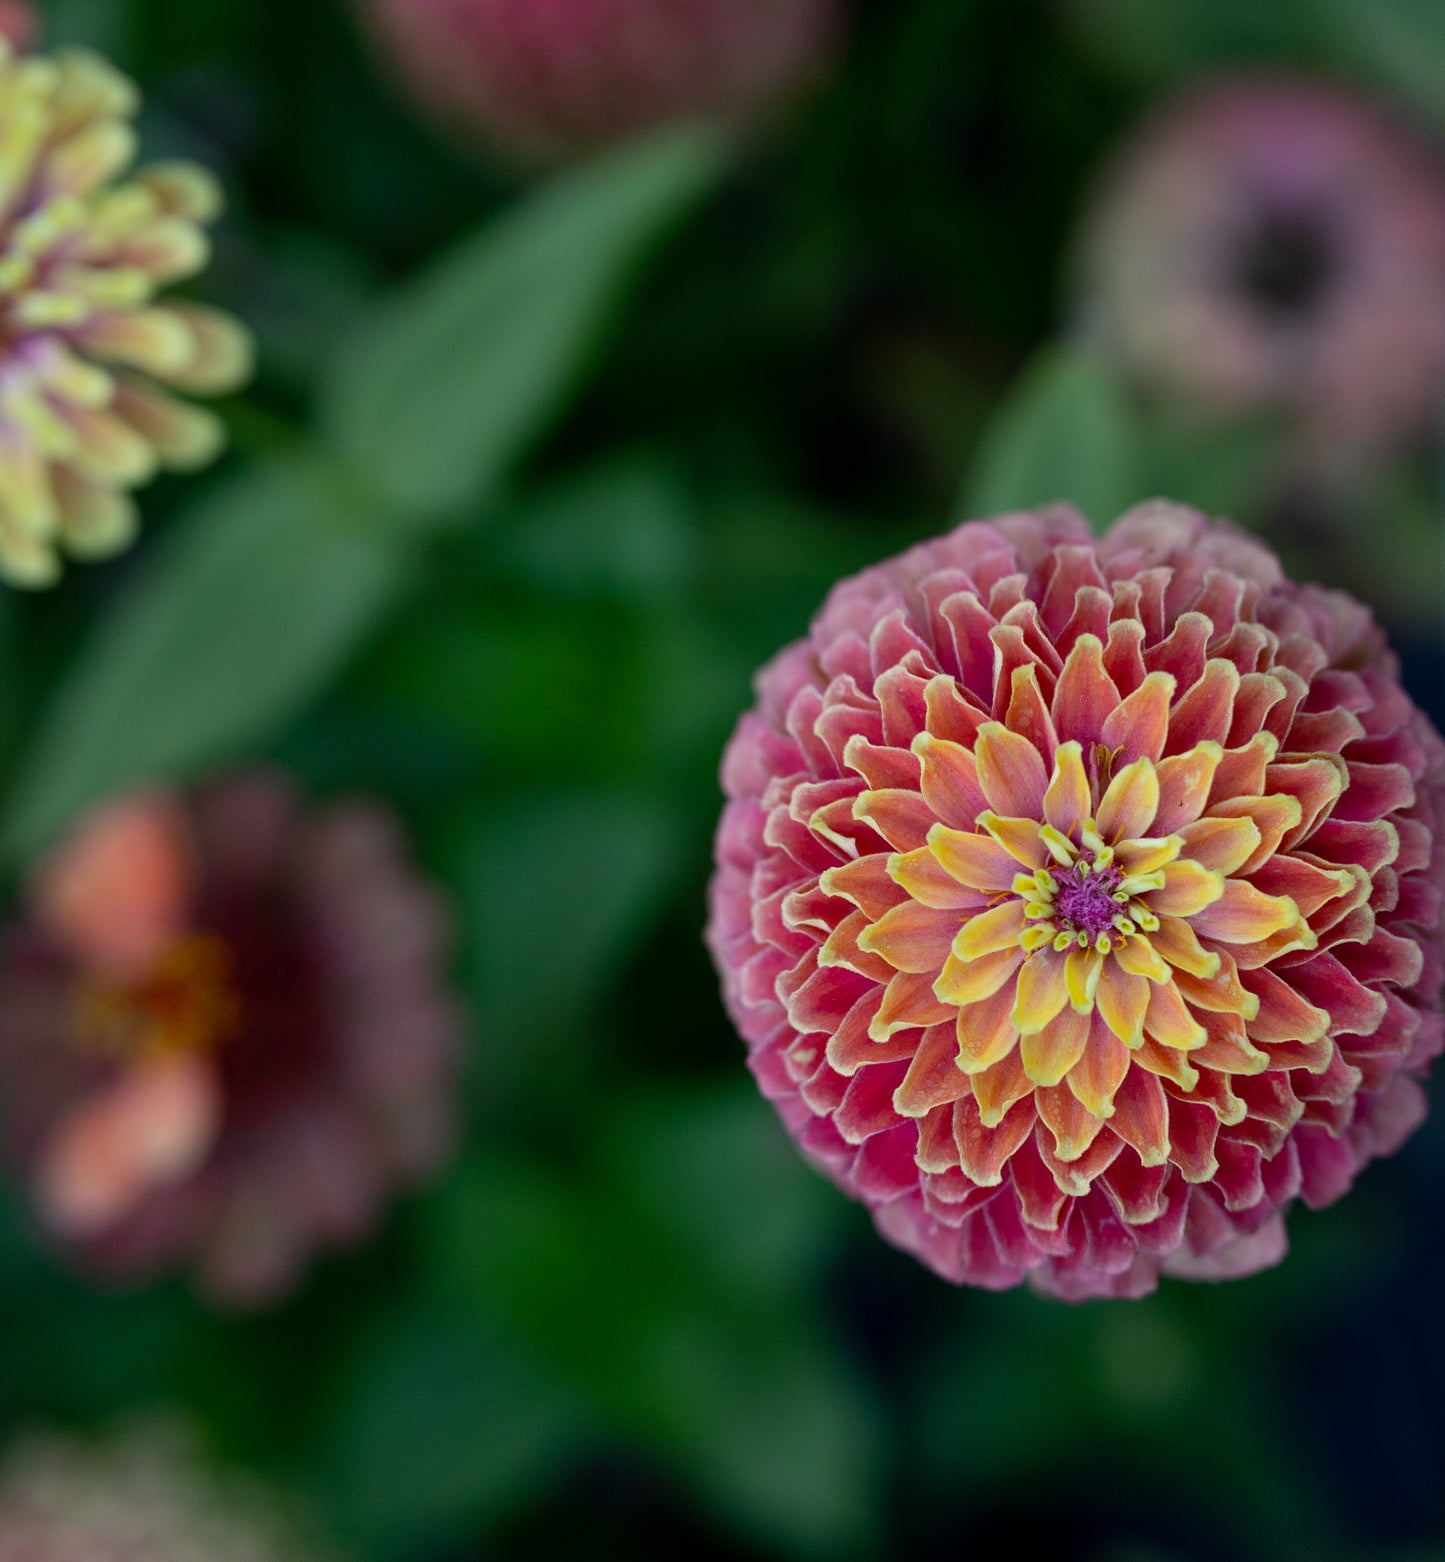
(82, 259)
(549, 78)
(1079, 900)
(1275, 244)
(223, 1042)
(146, 1495)
(18, 24)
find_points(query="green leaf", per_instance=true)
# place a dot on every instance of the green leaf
(239, 617)
(739, 1391)
(460, 376)
(573, 873)
(445, 1423)
(1064, 433)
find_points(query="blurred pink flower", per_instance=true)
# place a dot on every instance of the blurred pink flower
(1079, 900)
(145, 1495)
(224, 1040)
(1275, 244)
(550, 78)
(18, 24)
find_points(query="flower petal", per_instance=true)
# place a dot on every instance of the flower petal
(976, 860)
(1187, 890)
(1175, 941)
(1072, 1124)
(1242, 915)
(1137, 727)
(1097, 1075)
(911, 937)
(1122, 1000)
(1129, 805)
(1068, 801)
(1018, 837)
(1221, 844)
(919, 873)
(1050, 1053)
(934, 1077)
(984, 1032)
(1184, 783)
(1169, 1021)
(997, 928)
(1042, 991)
(1141, 1116)
(1011, 772)
(949, 783)
(966, 981)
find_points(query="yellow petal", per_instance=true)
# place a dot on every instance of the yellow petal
(1187, 889)
(1067, 802)
(1049, 1054)
(1042, 991)
(967, 981)
(1128, 807)
(991, 930)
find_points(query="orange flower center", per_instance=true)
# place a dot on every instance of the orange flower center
(184, 1003)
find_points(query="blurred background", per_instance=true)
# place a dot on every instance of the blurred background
(554, 441)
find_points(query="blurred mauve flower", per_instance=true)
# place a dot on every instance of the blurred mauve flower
(1275, 244)
(224, 1039)
(18, 23)
(82, 259)
(551, 78)
(1079, 900)
(145, 1495)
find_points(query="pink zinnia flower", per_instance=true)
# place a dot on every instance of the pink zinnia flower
(1079, 900)
(554, 77)
(1275, 244)
(223, 1038)
(18, 23)
(144, 1495)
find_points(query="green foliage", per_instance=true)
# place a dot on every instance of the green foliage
(456, 377)
(244, 613)
(1065, 433)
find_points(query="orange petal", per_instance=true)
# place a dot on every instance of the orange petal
(908, 1001)
(1169, 1021)
(152, 1128)
(1220, 844)
(1176, 942)
(1098, 1074)
(919, 873)
(1018, 837)
(1147, 854)
(975, 860)
(1072, 1124)
(1137, 727)
(1274, 817)
(116, 892)
(1242, 915)
(997, 1088)
(1122, 1000)
(1184, 783)
(911, 937)
(1068, 801)
(984, 1152)
(1141, 1116)
(1011, 772)
(966, 981)
(997, 928)
(1139, 957)
(1085, 694)
(1042, 991)
(949, 781)
(934, 1077)
(1187, 889)
(1050, 1053)
(1130, 803)
(984, 1033)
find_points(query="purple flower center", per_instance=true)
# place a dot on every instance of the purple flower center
(1086, 900)
(1286, 265)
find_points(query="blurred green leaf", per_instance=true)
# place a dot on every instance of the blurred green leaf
(741, 1394)
(623, 529)
(1403, 41)
(556, 889)
(453, 383)
(240, 615)
(445, 1423)
(1064, 433)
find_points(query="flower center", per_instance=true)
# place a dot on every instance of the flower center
(184, 1003)
(1084, 898)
